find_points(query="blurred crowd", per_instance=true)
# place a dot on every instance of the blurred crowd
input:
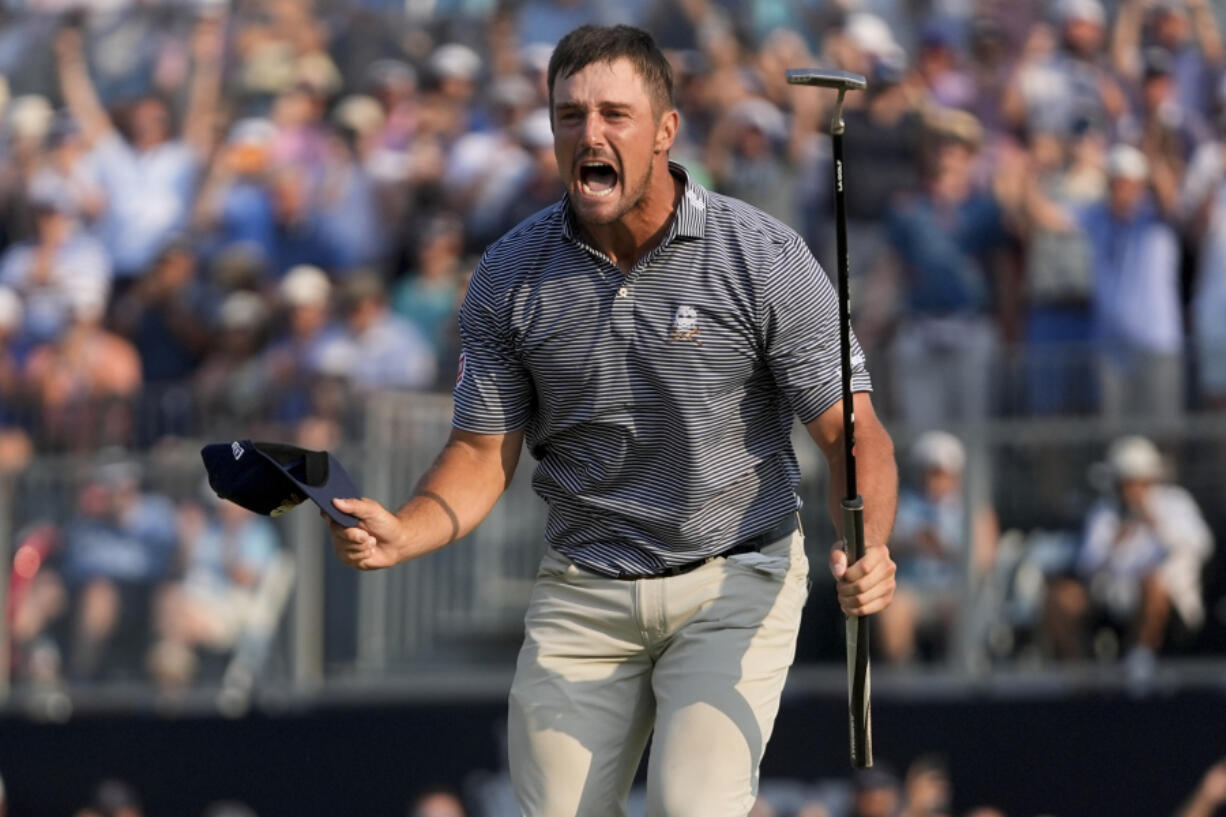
(243, 210)
(141, 583)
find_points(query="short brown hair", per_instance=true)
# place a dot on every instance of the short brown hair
(591, 44)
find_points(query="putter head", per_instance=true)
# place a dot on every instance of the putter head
(827, 78)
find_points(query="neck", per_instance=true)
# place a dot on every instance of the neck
(644, 226)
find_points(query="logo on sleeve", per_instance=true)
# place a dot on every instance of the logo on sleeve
(685, 325)
(459, 375)
(236, 448)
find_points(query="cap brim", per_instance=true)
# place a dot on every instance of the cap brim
(339, 485)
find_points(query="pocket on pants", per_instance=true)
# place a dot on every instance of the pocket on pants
(784, 560)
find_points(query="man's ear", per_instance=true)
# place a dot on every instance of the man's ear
(666, 130)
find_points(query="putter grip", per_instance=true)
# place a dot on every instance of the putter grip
(858, 694)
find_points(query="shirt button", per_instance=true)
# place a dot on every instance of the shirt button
(623, 292)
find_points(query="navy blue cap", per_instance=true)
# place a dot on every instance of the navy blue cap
(271, 478)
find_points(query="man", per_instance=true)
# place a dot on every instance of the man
(934, 536)
(1136, 308)
(147, 175)
(951, 249)
(1139, 566)
(650, 340)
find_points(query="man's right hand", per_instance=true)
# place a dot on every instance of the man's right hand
(374, 543)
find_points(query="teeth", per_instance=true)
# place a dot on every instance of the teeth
(596, 193)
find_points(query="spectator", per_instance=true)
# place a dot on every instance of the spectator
(293, 361)
(447, 105)
(235, 206)
(347, 204)
(1137, 312)
(83, 380)
(950, 243)
(62, 263)
(938, 65)
(1063, 76)
(225, 555)
(485, 166)
(540, 185)
(377, 348)
(300, 138)
(942, 550)
(1186, 29)
(1056, 181)
(300, 236)
(991, 55)
(147, 175)
(750, 156)
(164, 315)
(429, 295)
(230, 381)
(118, 551)
(1209, 796)
(1138, 570)
(885, 164)
(1167, 133)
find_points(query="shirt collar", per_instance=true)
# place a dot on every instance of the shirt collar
(690, 217)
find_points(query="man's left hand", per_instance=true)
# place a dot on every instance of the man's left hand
(867, 586)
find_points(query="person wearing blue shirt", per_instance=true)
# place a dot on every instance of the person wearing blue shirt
(1138, 318)
(948, 240)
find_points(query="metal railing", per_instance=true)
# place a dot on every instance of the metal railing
(461, 608)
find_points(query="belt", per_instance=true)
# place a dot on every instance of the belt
(751, 545)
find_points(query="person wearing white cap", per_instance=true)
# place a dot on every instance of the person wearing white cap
(1138, 571)
(1136, 307)
(293, 360)
(933, 540)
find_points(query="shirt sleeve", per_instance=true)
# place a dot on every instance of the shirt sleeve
(800, 326)
(493, 391)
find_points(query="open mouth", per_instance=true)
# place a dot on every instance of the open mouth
(597, 178)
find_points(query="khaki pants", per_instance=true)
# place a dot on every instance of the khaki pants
(701, 658)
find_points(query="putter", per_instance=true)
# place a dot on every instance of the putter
(858, 692)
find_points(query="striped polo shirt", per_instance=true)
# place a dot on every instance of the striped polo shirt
(658, 403)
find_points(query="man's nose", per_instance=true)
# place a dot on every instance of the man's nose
(592, 134)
